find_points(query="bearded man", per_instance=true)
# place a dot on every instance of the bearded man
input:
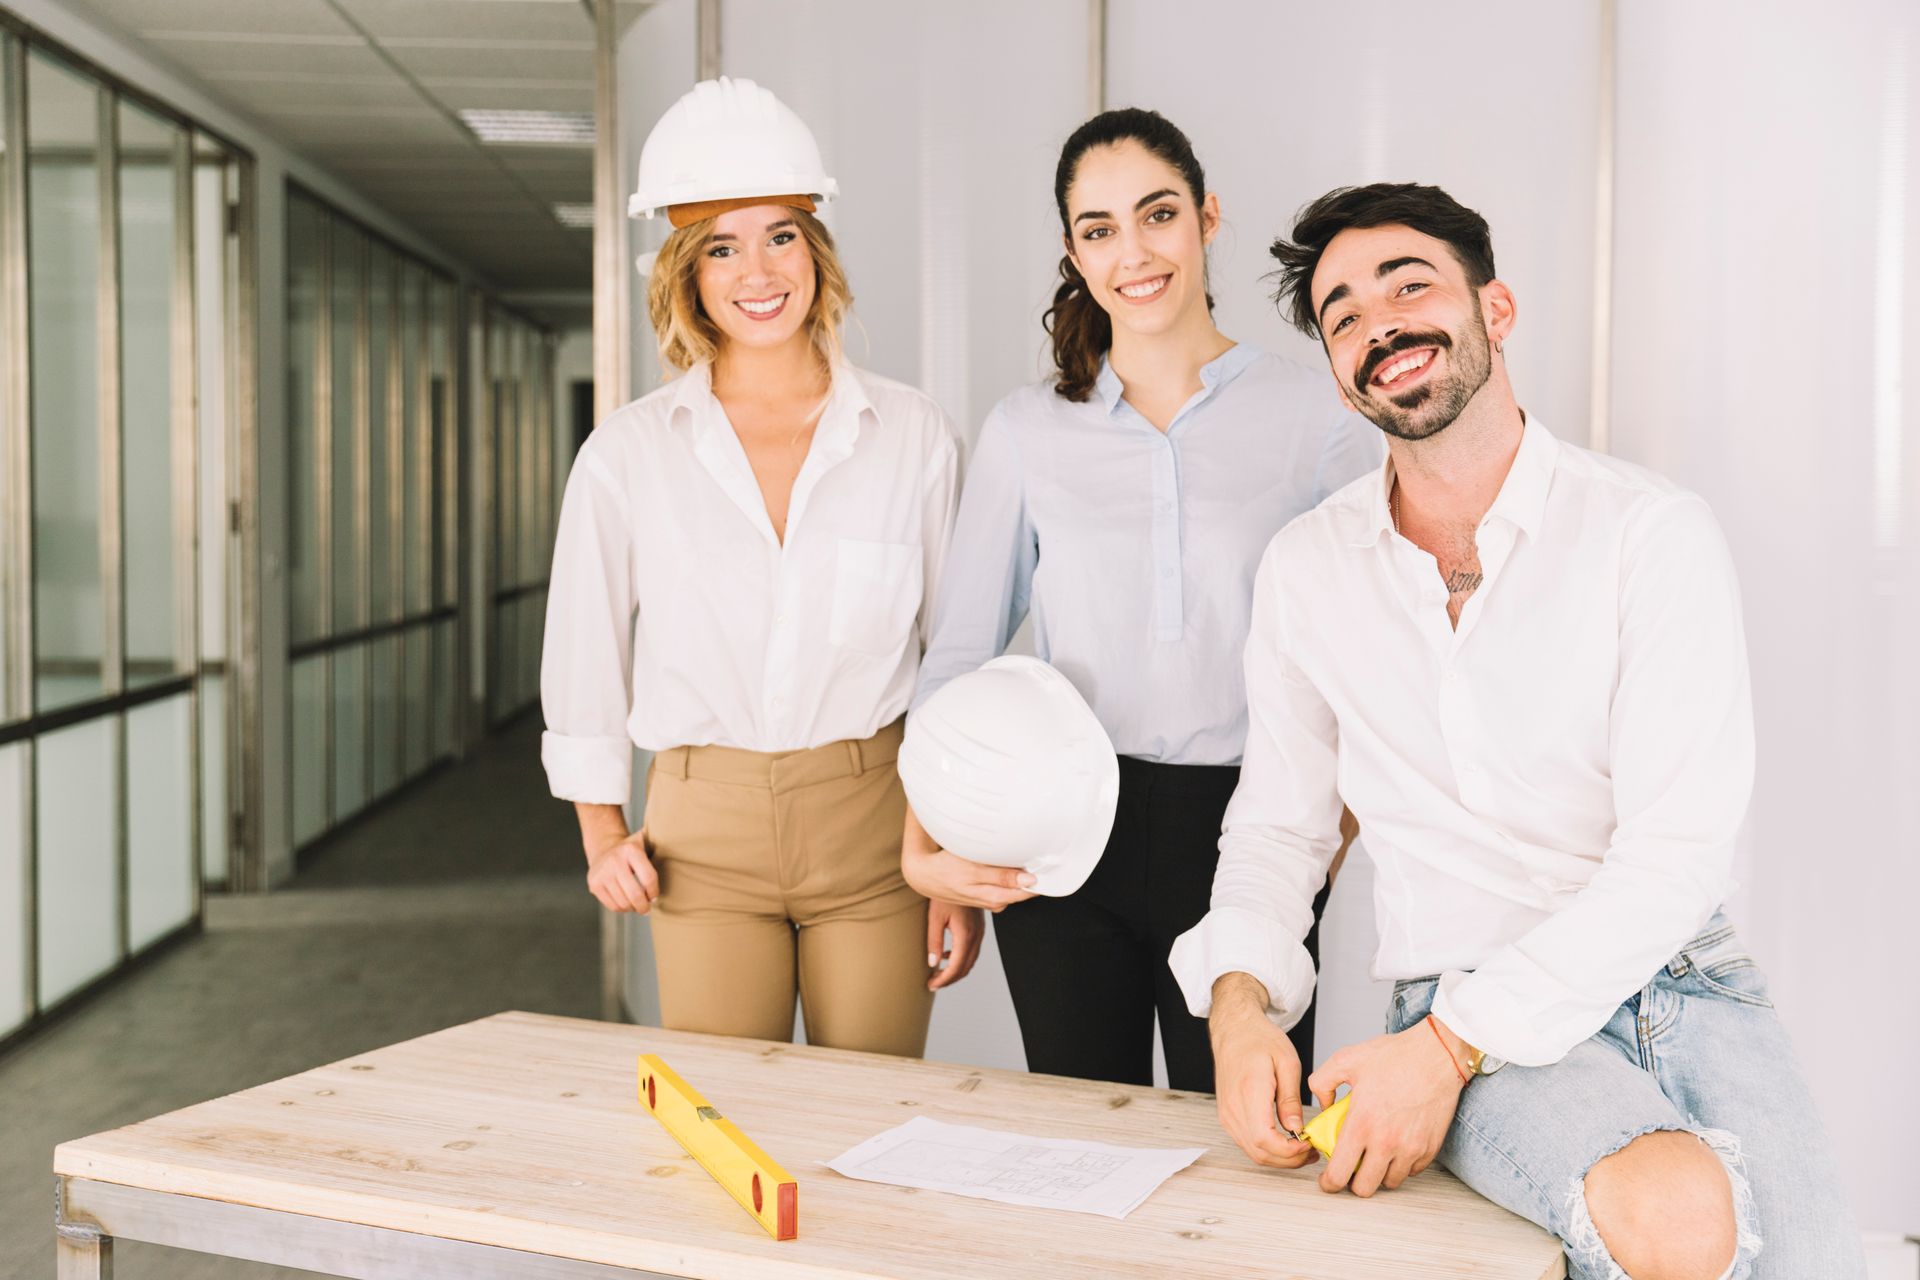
(1522, 665)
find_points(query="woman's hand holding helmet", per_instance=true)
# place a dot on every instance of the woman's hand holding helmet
(946, 877)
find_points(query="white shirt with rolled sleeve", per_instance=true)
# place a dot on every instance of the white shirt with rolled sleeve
(676, 616)
(1550, 792)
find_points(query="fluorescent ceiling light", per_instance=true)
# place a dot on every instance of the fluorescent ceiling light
(573, 215)
(562, 128)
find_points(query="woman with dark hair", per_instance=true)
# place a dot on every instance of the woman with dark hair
(1125, 502)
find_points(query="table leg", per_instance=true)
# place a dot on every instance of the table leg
(82, 1253)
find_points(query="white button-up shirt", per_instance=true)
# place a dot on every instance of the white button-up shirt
(1550, 793)
(1136, 548)
(676, 617)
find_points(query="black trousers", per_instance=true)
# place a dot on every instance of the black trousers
(1088, 972)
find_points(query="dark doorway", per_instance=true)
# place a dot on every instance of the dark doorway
(582, 411)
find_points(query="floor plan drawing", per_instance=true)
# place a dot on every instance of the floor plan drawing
(1014, 1168)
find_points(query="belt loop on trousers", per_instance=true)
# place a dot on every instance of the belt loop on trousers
(853, 757)
(674, 760)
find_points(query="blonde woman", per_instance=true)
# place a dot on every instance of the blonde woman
(740, 586)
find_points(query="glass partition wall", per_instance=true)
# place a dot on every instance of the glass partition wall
(117, 265)
(374, 453)
(519, 378)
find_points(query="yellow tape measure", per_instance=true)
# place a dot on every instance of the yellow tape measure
(749, 1174)
(1324, 1129)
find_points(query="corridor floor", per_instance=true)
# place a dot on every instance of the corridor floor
(461, 898)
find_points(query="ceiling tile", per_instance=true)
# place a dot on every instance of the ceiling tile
(206, 55)
(147, 17)
(265, 92)
(546, 160)
(426, 188)
(328, 135)
(436, 206)
(388, 20)
(547, 95)
(467, 161)
(501, 61)
(379, 117)
(562, 188)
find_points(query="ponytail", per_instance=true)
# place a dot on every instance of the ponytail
(1082, 332)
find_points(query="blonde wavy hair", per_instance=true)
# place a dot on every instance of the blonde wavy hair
(687, 335)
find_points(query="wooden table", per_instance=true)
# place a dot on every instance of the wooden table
(515, 1147)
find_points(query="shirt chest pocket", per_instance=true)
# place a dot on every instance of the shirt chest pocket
(876, 595)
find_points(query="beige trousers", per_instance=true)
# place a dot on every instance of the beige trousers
(780, 876)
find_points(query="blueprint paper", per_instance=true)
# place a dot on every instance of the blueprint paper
(1046, 1173)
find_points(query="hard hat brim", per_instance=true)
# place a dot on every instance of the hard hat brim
(1077, 864)
(645, 204)
(685, 215)
(1067, 857)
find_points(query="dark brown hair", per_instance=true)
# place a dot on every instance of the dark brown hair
(1428, 210)
(1080, 328)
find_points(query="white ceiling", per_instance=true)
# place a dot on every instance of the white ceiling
(369, 89)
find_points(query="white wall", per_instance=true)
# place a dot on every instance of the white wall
(275, 163)
(1767, 266)
(1498, 104)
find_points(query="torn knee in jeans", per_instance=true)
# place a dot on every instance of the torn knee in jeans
(1588, 1252)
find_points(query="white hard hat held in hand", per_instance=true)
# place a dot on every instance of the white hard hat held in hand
(727, 144)
(1008, 766)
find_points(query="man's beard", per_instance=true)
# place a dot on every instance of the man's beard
(1431, 407)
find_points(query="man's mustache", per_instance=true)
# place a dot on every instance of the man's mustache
(1363, 376)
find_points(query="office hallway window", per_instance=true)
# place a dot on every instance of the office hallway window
(519, 374)
(373, 507)
(118, 267)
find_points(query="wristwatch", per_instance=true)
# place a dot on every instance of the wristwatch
(1481, 1063)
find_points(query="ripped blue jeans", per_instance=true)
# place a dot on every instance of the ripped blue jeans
(1697, 1049)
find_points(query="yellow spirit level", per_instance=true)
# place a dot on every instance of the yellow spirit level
(749, 1175)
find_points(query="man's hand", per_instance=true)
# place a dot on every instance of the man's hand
(1256, 1073)
(947, 877)
(621, 875)
(967, 927)
(1405, 1091)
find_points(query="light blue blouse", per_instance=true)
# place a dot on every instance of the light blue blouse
(1135, 549)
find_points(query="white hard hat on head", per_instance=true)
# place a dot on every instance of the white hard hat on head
(1009, 766)
(728, 140)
